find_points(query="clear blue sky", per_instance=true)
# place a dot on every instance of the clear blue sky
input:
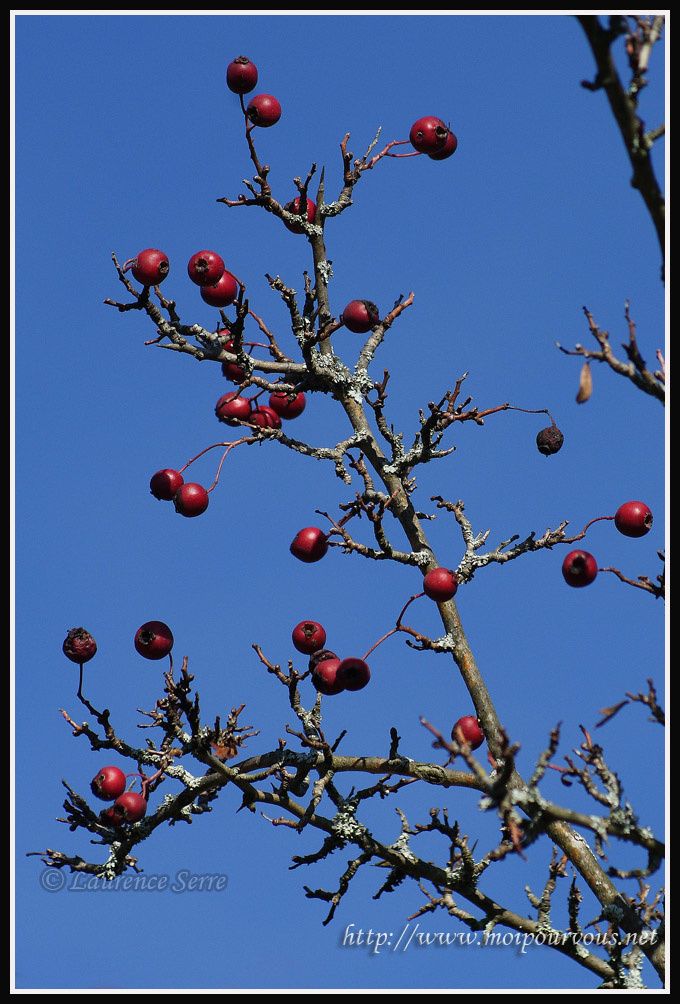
(126, 135)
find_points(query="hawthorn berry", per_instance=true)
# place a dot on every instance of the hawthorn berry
(288, 406)
(191, 499)
(150, 266)
(232, 371)
(108, 783)
(353, 674)
(265, 417)
(111, 816)
(440, 584)
(79, 645)
(309, 637)
(549, 440)
(321, 656)
(360, 316)
(309, 544)
(264, 110)
(205, 268)
(241, 75)
(633, 519)
(429, 134)
(130, 806)
(579, 569)
(165, 484)
(467, 729)
(222, 293)
(294, 207)
(231, 408)
(154, 640)
(448, 150)
(325, 677)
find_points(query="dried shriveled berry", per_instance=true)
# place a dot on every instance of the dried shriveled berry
(79, 645)
(549, 440)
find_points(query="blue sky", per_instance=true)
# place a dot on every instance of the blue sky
(126, 135)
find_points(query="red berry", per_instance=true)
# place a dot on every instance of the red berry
(191, 499)
(579, 569)
(79, 645)
(360, 316)
(265, 417)
(448, 150)
(429, 134)
(154, 640)
(241, 75)
(309, 637)
(222, 293)
(130, 806)
(294, 207)
(440, 584)
(321, 656)
(633, 519)
(309, 544)
(150, 266)
(108, 783)
(353, 674)
(205, 268)
(325, 677)
(232, 371)
(111, 816)
(165, 484)
(231, 408)
(264, 110)
(288, 406)
(467, 729)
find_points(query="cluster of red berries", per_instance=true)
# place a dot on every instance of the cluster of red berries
(128, 806)
(263, 110)
(330, 674)
(219, 288)
(432, 136)
(189, 498)
(234, 408)
(632, 519)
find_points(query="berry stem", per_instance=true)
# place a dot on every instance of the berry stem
(146, 781)
(219, 466)
(239, 281)
(81, 667)
(230, 445)
(581, 535)
(533, 411)
(395, 629)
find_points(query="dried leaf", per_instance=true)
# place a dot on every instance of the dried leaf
(608, 713)
(585, 384)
